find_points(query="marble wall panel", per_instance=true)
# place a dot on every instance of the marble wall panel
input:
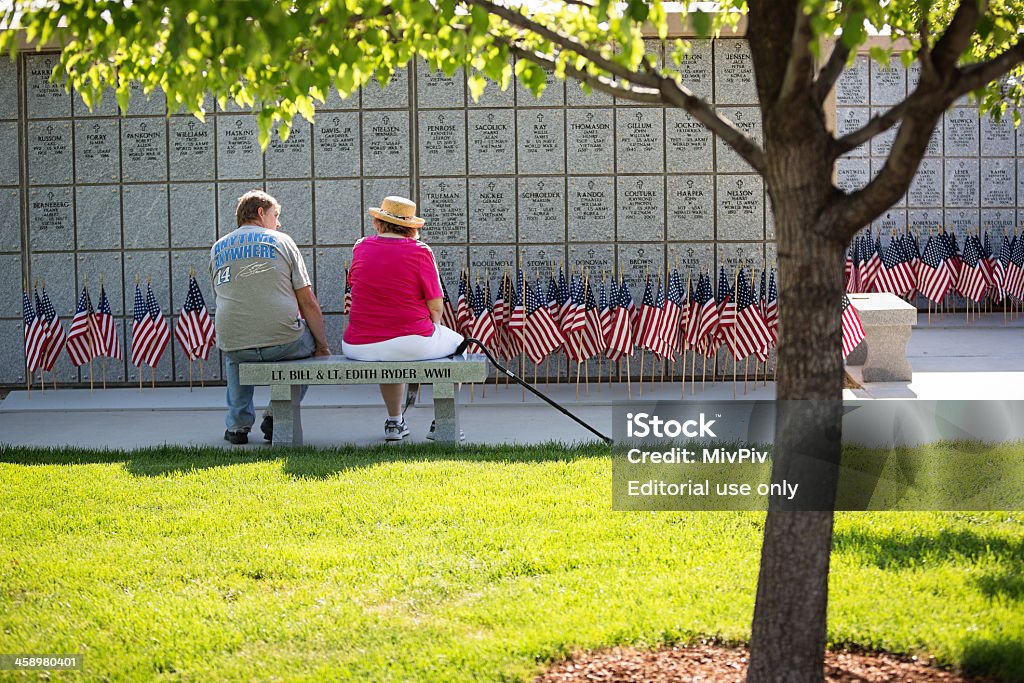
(9, 90)
(291, 158)
(640, 140)
(296, 198)
(193, 215)
(689, 145)
(10, 219)
(238, 151)
(541, 209)
(50, 152)
(492, 141)
(640, 208)
(337, 145)
(691, 207)
(386, 143)
(492, 210)
(98, 214)
(97, 151)
(44, 99)
(146, 217)
(740, 207)
(541, 141)
(338, 211)
(444, 206)
(442, 142)
(591, 202)
(144, 149)
(9, 165)
(51, 218)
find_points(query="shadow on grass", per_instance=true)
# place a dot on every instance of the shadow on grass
(300, 463)
(887, 551)
(1002, 658)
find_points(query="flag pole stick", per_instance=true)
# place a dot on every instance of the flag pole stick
(202, 372)
(629, 381)
(642, 352)
(190, 375)
(735, 327)
(103, 365)
(152, 376)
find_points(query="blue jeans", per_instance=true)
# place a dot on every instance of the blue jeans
(241, 412)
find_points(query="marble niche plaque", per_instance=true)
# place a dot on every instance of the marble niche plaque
(852, 174)
(541, 141)
(336, 144)
(45, 99)
(691, 207)
(920, 221)
(553, 94)
(590, 140)
(591, 203)
(106, 265)
(888, 83)
(926, 186)
(997, 139)
(997, 222)
(852, 84)
(51, 216)
(593, 259)
(962, 182)
(492, 141)
(690, 259)
(191, 149)
(891, 220)
(748, 120)
(434, 90)
(98, 216)
(50, 152)
(734, 73)
(330, 278)
(961, 132)
(541, 209)
(296, 197)
(998, 182)
(733, 256)
(575, 96)
(492, 210)
(193, 215)
(881, 144)
(876, 168)
(8, 89)
(140, 102)
(539, 261)
(740, 207)
(961, 221)
(290, 158)
(97, 151)
(450, 262)
(394, 95)
(636, 261)
(338, 211)
(640, 134)
(640, 208)
(493, 95)
(9, 171)
(688, 144)
(442, 142)
(443, 205)
(144, 149)
(491, 262)
(386, 143)
(227, 202)
(1020, 182)
(696, 69)
(11, 283)
(145, 216)
(10, 220)
(848, 120)
(238, 149)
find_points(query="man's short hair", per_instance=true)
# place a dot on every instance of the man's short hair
(249, 205)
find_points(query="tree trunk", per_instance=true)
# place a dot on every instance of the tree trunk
(789, 629)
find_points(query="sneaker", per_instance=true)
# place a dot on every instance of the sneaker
(267, 427)
(395, 430)
(430, 434)
(410, 396)
(236, 438)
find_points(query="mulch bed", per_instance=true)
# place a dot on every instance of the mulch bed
(717, 664)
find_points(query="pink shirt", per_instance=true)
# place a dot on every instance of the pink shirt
(392, 279)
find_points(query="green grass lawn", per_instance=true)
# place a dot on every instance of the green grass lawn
(418, 563)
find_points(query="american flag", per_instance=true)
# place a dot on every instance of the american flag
(1014, 282)
(194, 329)
(81, 342)
(771, 306)
(541, 334)
(750, 332)
(971, 283)
(564, 298)
(483, 325)
(518, 314)
(1000, 260)
(872, 262)
(850, 267)
(726, 307)
(574, 311)
(608, 304)
(157, 333)
(142, 329)
(647, 327)
(347, 305)
(36, 338)
(54, 332)
(593, 332)
(448, 318)
(463, 311)
(933, 277)
(953, 261)
(554, 305)
(108, 342)
(896, 275)
(620, 338)
(660, 332)
(674, 316)
(705, 313)
(853, 331)
(499, 308)
(988, 260)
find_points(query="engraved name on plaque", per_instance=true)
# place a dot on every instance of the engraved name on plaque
(336, 145)
(591, 209)
(926, 186)
(290, 158)
(590, 139)
(492, 210)
(542, 210)
(442, 143)
(51, 218)
(961, 128)
(691, 208)
(443, 206)
(734, 73)
(386, 143)
(144, 149)
(852, 84)
(49, 152)
(641, 146)
(687, 143)
(192, 149)
(238, 153)
(998, 179)
(492, 141)
(696, 68)
(748, 120)
(541, 141)
(740, 207)
(640, 209)
(888, 83)
(961, 182)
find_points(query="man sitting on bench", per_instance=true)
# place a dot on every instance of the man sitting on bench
(396, 303)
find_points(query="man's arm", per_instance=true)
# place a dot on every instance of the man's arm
(436, 307)
(314, 318)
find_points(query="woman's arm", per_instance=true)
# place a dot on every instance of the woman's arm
(436, 307)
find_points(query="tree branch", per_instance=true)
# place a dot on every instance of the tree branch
(978, 75)
(956, 37)
(831, 71)
(877, 125)
(800, 65)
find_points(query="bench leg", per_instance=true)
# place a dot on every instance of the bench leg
(284, 401)
(446, 416)
(886, 359)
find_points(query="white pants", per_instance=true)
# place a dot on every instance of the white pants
(412, 347)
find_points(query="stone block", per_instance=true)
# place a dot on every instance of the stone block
(594, 258)
(492, 141)
(97, 151)
(10, 220)
(98, 215)
(591, 201)
(181, 261)
(734, 72)
(997, 222)
(691, 207)
(852, 85)
(50, 152)
(290, 158)
(450, 261)
(8, 89)
(689, 145)
(491, 262)
(143, 149)
(338, 211)
(376, 189)
(690, 258)
(748, 120)
(238, 150)
(590, 140)
(888, 83)
(11, 284)
(12, 356)
(962, 182)
(102, 267)
(51, 218)
(538, 260)
(997, 139)
(44, 99)
(57, 273)
(887, 322)
(227, 202)
(435, 90)
(893, 219)
(542, 209)
(337, 145)
(152, 267)
(553, 94)
(334, 327)
(637, 261)
(852, 174)
(926, 187)
(998, 182)
(850, 119)
(920, 221)
(961, 221)
(386, 144)
(740, 207)
(208, 106)
(193, 215)
(141, 103)
(296, 198)
(962, 132)
(10, 174)
(442, 142)
(330, 277)
(541, 141)
(394, 96)
(736, 255)
(146, 217)
(494, 96)
(192, 148)
(443, 204)
(641, 140)
(640, 208)
(492, 210)
(697, 68)
(575, 96)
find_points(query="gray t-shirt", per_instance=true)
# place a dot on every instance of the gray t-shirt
(255, 274)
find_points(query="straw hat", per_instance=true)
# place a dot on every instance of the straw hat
(398, 210)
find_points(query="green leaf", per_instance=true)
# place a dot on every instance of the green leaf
(701, 23)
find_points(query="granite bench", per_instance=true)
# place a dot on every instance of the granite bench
(286, 378)
(887, 321)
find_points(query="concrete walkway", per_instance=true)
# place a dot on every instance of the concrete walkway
(951, 360)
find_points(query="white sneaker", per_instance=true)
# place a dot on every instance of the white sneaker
(430, 434)
(395, 430)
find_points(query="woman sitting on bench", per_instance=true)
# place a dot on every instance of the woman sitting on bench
(396, 302)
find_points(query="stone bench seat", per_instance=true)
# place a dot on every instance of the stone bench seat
(286, 378)
(888, 321)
